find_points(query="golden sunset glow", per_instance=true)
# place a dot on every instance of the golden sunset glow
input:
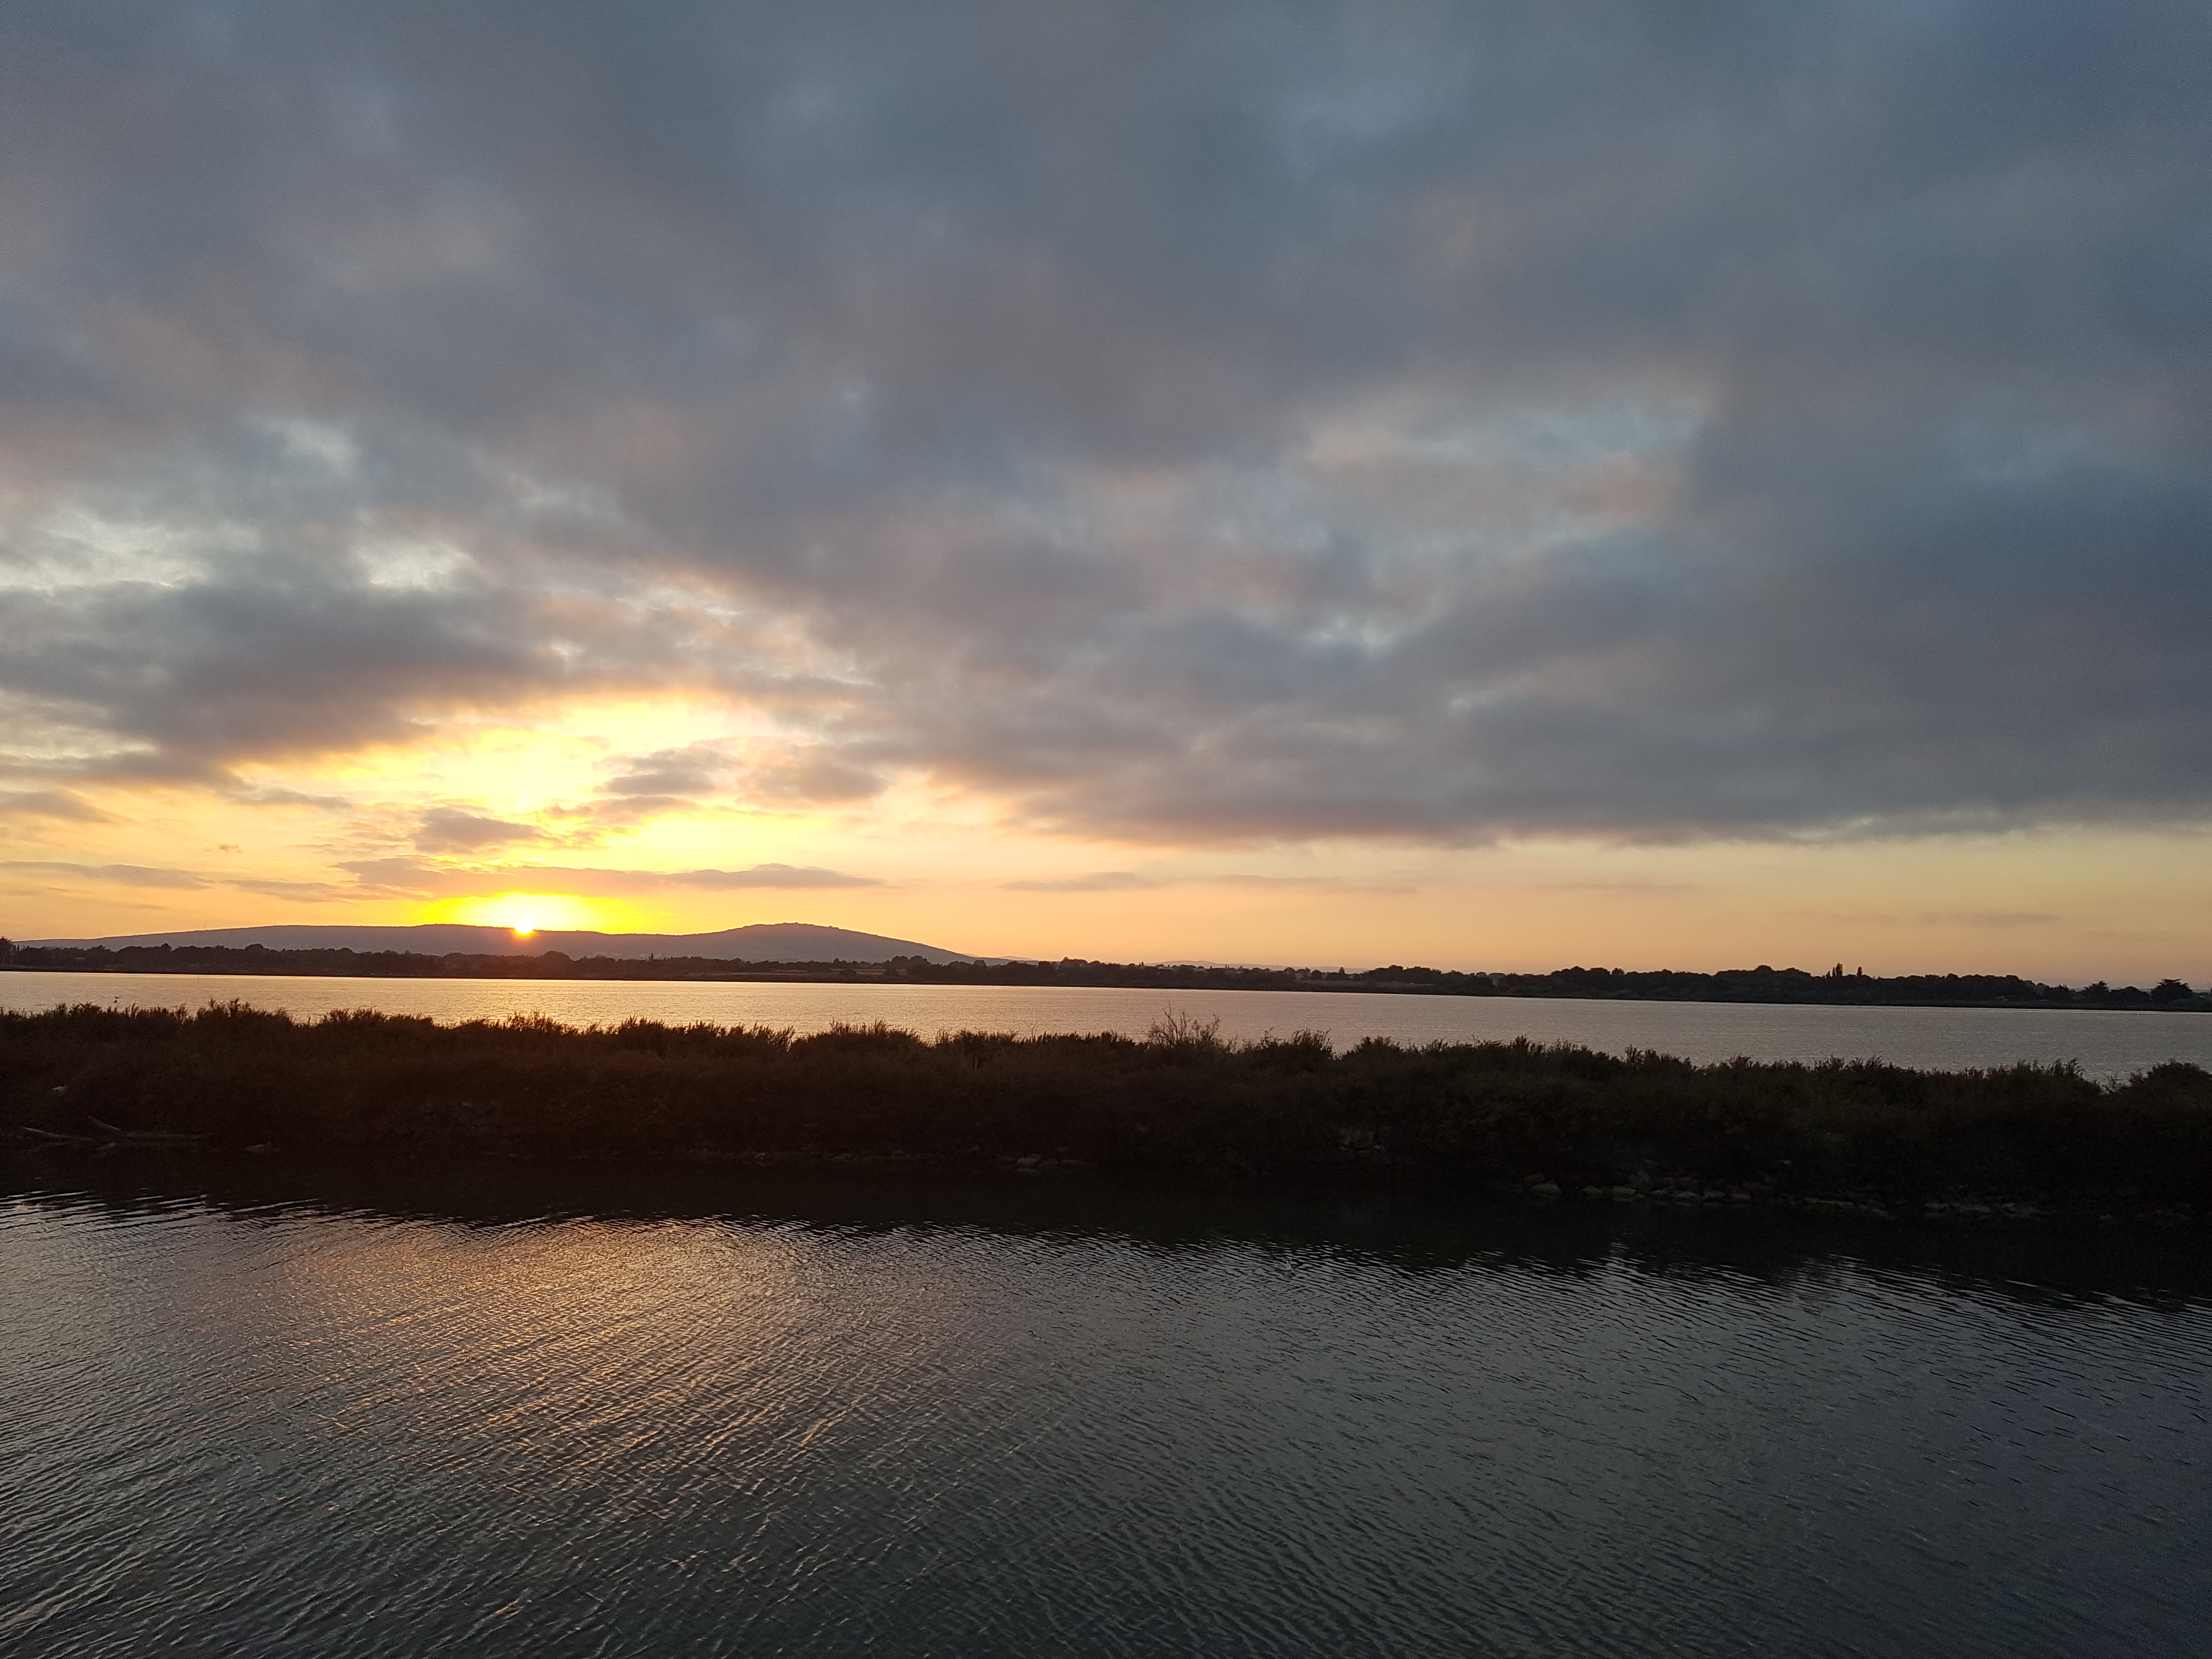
(525, 913)
(2075, 904)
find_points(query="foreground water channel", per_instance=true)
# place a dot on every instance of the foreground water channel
(501, 1411)
(2107, 1043)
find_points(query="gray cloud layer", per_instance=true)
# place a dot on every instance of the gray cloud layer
(1193, 421)
(416, 878)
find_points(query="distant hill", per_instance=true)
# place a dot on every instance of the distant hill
(766, 941)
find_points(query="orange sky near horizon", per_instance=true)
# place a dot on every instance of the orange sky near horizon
(2125, 907)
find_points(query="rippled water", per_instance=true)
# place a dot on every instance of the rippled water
(2107, 1043)
(296, 1414)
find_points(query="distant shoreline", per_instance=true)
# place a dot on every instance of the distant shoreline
(1762, 985)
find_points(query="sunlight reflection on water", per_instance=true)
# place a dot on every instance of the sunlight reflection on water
(274, 1425)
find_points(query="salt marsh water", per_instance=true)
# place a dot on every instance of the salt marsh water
(2107, 1043)
(453, 1412)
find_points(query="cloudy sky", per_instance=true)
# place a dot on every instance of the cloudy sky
(1492, 484)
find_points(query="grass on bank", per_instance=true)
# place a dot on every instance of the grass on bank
(1446, 1115)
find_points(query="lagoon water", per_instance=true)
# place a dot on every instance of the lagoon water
(296, 1412)
(2106, 1043)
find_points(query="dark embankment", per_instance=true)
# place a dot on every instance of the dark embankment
(1446, 1116)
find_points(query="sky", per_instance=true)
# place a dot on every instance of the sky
(1497, 485)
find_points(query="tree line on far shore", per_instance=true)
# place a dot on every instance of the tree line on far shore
(1760, 984)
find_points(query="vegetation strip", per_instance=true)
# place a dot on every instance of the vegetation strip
(1554, 1121)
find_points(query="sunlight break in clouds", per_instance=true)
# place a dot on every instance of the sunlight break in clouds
(1480, 484)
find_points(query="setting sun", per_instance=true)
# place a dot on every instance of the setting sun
(525, 914)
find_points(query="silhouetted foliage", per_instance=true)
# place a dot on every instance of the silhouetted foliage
(1182, 1097)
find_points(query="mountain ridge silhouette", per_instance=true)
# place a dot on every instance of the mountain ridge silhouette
(765, 941)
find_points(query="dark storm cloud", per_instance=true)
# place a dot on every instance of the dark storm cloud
(1188, 421)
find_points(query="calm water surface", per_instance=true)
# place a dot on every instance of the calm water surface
(2107, 1044)
(287, 1412)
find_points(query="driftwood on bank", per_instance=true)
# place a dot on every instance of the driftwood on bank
(54, 1137)
(145, 1137)
(111, 1136)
